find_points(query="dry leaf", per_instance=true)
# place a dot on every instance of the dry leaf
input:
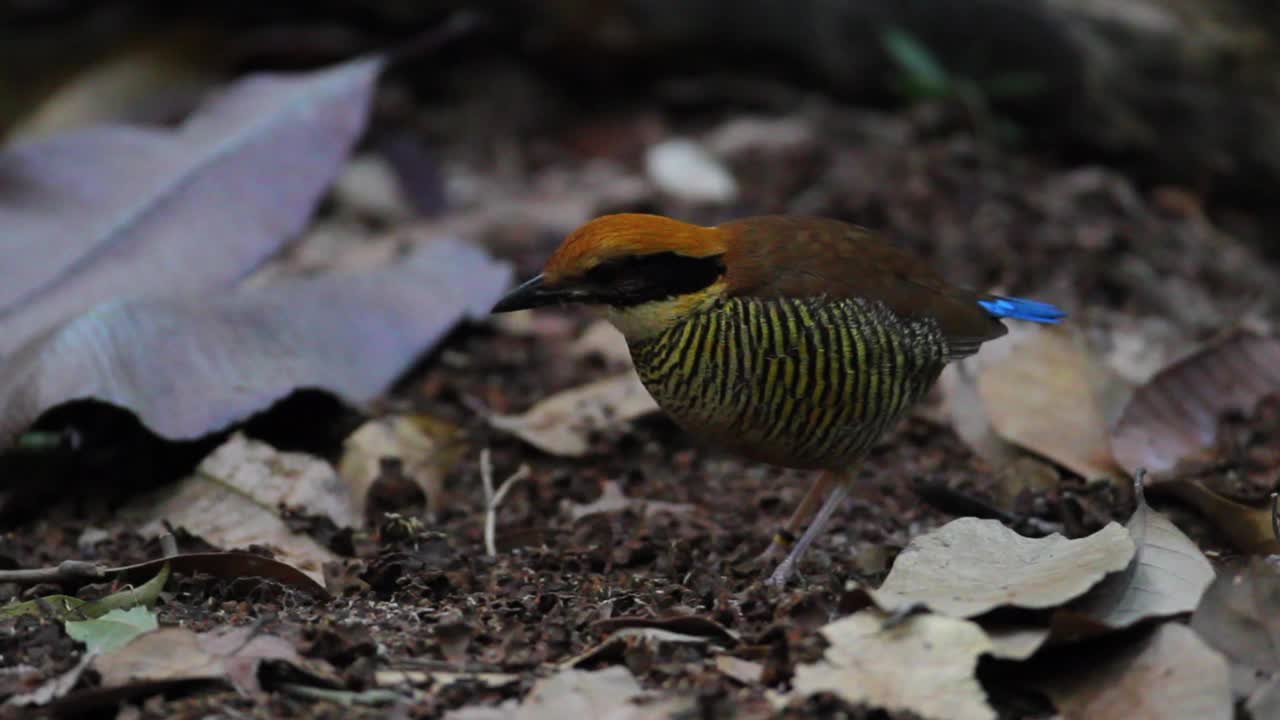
(173, 653)
(425, 448)
(564, 423)
(1240, 618)
(925, 665)
(1046, 395)
(584, 694)
(970, 566)
(747, 672)
(1168, 675)
(1248, 527)
(1167, 575)
(964, 407)
(234, 500)
(151, 81)
(1175, 415)
(112, 212)
(1015, 642)
(190, 366)
(612, 499)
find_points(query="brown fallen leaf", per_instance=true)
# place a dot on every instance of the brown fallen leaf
(116, 212)
(172, 653)
(1167, 576)
(1248, 527)
(564, 423)
(1174, 417)
(925, 665)
(1167, 675)
(612, 499)
(189, 366)
(1240, 618)
(225, 565)
(970, 566)
(1046, 393)
(235, 499)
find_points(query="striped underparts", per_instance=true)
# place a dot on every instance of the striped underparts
(807, 383)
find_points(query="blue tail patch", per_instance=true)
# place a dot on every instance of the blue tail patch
(1020, 309)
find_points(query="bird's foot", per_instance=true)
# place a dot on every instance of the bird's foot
(781, 574)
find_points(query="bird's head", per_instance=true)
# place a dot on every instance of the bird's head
(644, 271)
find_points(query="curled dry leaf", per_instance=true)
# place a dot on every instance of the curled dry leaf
(1248, 527)
(924, 665)
(1167, 575)
(111, 212)
(1046, 393)
(189, 366)
(970, 566)
(1168, 675)
(1174, 417)
(1240, 618)
(236, 497)
(224, 565)
(564, 423)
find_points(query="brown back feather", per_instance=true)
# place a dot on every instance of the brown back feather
(784, 256)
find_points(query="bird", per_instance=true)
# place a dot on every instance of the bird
(793, 341)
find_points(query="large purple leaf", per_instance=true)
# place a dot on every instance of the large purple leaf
(113, 212)
(191, 365)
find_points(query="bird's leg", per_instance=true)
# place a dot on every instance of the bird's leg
(788, 565)
(785, 537)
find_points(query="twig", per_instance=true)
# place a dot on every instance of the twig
(66, 572)
(375, 696)
(493, 499)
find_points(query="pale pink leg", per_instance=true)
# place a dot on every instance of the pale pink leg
(787, 567)
(803, 512)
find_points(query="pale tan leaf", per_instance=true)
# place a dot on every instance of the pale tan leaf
(1248, 527)
(1168, 675)
(1167, 575)
(173, 653)
(1240, 617)
(1175, 415)
(747, 672)
(970, 566)
(612, 499)
(1046, 395)
(563, 423)
(924, 665)
(425, 448)
(235, 499)
(1015, 642)
(605, 693)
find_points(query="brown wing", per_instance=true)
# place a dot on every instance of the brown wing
(783, 256)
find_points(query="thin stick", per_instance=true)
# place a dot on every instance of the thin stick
(493, 499)
(66, 572)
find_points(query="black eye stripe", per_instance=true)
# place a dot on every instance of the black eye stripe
(645, 278)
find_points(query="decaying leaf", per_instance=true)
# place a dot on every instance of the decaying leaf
(188, 366)
(116, 212)
(172, 653)
(1167, 575)
(970, 566)
(567, 694)
(563, 423)
(923, 665)
(112, 630)
(225, 565)
(1248, 527)
(1175, 416)
(1168, 675)
(1240, 618)
(1046, 394)
(236, 496)
(425, 449)
(612, 499)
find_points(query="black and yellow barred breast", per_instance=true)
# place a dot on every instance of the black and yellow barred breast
(805, 383)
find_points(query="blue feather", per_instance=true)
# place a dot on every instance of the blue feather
(1020, 309)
